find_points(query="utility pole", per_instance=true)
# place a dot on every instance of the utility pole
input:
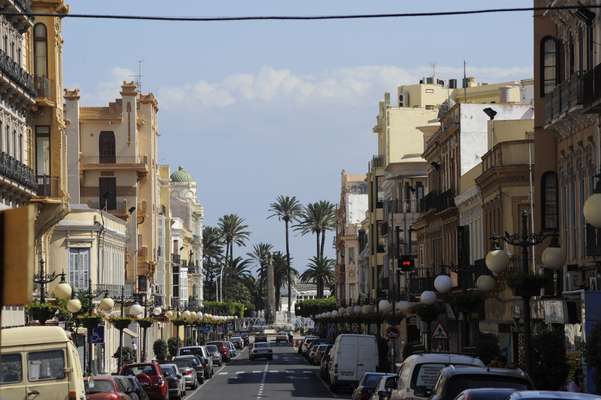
(271, 312)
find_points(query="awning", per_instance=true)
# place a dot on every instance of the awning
(130, 333)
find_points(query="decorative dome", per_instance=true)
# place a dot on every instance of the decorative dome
(181, 175)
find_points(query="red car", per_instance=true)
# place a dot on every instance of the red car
(224, 349)
(104, 387)
(150, 377)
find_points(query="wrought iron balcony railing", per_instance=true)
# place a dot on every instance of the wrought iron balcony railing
(438, 201)
(16, 171)
(564, 98)
(44, 87)
(47, 185)
(17, 74)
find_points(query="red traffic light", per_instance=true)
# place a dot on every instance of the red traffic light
(406, 263)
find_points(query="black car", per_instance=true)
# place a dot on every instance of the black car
(368, 384)
(132, 387)
(175, 381)
(485, 394)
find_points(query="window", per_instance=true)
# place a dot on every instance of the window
(15, 150)
(12, 50)
(11, 370)
(79, 267)
(106, 147)
(46, 365)
(7, 137)
(571, 56)
(549, 64)
(5, 43)
(42, 149)
(19, 56)
(20, 148)
(40, 50)
(550, 208)
(107, 192)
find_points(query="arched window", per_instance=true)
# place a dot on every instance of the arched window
(106, 147)
(550, 209)
(549, 51)
(40, 50)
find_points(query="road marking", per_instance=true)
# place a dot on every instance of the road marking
(256, 372)
(223, 373)
(262, 384)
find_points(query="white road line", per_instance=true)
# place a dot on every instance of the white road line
(262, 384)
(223, 373)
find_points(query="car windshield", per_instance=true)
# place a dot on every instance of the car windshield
(370, 380)
(99, 386)
(211, 348)
(139, 369)
(459, 383)
(167, 370)
(190, 350)
(425, 376)
(261, 345)
(184, 363)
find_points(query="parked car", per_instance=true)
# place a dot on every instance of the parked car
(150, 377)
(325, 365)
(384, 388)
(281, 337)
(245, 337)
(317, 352)
(191, 369)
(104, 387)
(224, 349)
(260, 338)
(238, 342)
(204, 356)
(454, 380)
(367, 385)
(306, 340)
(486, 394)
(136, 388)
(215, 354)
(551, 395)
(51, 351)
(196, 363)
(175, 381)
(260, 350)
(351, 356)
(233, 350)
(419, 372)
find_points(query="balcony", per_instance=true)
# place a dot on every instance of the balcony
(563, 99)
(115, 163)
(194, 269)
(437, 201)
(514, 152)
(376, 162)
(44, 87)
(115, 291)
(47, 186)
(593, 241)
(592, 90)
(20, 20)
(175, 259)
(120, 209)
(17, 172)
(15, 77)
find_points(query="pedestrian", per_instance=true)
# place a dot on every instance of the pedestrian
(575, 384)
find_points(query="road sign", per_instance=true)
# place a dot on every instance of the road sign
(98, 335)
(392, 332)
(440, 332)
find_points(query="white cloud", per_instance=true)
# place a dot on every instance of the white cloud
(345, 86)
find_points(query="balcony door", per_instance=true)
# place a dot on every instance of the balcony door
(107, 193)
(106, 147)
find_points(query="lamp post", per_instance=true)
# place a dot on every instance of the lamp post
(497, 260)
(42, 279)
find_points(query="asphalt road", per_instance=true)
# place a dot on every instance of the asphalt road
(287, 376)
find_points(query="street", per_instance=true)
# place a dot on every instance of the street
(288, 376)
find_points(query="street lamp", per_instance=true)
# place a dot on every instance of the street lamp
(428, 297)
(74, 306)
(485, 283)
(592, 205)
(443, 284)
(136, 310)
(497, 261)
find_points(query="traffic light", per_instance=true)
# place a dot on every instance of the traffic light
(406, 263)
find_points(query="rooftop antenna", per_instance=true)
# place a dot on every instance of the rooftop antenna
(139, 76)
(464, 81)
(433, 65)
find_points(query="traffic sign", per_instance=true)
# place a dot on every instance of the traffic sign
(406, 263)
(440, 332)
(98, 334)
(392, 332)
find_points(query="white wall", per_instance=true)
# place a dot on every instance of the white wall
(357, 205)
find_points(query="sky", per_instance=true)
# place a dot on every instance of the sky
(257, 109)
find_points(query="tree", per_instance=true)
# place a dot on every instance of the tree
(238, 269)
(212, 244)
(318, 218)
(280, 274)
(287, 209)
(129, 355)
(259, 255)
(321, 272)
(549, 368)
(234, 231)
(160, 349)
(172, 346)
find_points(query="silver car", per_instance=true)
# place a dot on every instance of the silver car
(188, 370)
(214, 352)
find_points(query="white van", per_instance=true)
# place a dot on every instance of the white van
(419, 372)
(352, 356)
(41, 363)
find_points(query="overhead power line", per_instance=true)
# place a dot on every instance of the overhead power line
(300, 17)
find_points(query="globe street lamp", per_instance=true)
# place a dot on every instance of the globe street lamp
(485, 283)
(592, 205)
(497, 261)
(443, 284)
(428, 297)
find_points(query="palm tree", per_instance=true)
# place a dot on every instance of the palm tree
(234, 231)
(287, 209)
(238, 270)
(280, 274)
(259, 255)
(321, 272)
(212, 245)
(318, 218)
